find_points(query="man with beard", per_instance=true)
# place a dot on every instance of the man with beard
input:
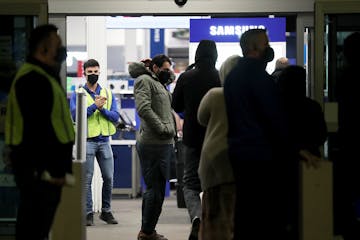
(38, 122)
(259, 146)
(155, 140)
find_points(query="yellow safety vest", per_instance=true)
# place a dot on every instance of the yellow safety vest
(60, 114)
(97, 123)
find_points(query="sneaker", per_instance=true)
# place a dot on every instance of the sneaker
(195, 226)
(153, 236)
(108, 218)
(90, 219)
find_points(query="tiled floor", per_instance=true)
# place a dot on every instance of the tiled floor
(174, 222)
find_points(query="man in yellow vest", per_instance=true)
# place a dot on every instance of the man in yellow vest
(102, 114)
(39, 134)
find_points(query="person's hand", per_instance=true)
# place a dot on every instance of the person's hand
(100, 101)
(310, 159)
(45, 176)
(57, 181)
(146, 62)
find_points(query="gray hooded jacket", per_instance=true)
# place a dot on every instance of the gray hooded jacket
(153, 104)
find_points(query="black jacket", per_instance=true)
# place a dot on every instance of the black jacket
(258, 126)
(190, 88)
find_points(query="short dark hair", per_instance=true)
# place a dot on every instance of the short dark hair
(38, 35)
(248, 40)
(159, 60)
(90, 63)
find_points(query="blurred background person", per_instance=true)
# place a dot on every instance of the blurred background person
(347, 164)
(307, 129)
(280, 64)
(38, 118)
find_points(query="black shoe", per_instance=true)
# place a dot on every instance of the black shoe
(90, 219)
(108, 218)
(195, 226)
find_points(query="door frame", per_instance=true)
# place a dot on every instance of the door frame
(38, 8)
(305, 20)
(322, 8)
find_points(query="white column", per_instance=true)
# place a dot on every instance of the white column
(130, 47)
(96, 44)
(96, 48)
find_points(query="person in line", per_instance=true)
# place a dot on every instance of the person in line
(307, 122)
(191, 86)
(215, 170)
(155, 140)
(102, 115)
(307, 129)
(259, 144)
(39, 134)
(347, 164)
(280, 64)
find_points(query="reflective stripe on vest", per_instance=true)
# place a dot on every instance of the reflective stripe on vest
(60, 115)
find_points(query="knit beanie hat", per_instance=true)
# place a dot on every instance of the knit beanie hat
(227, 66)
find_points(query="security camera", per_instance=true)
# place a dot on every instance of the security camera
(180, 3)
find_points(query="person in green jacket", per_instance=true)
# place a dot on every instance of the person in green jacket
(155, 141)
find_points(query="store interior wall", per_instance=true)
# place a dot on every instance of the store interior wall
(137, 46)
(118, 56)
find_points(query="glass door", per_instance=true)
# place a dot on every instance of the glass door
(13, 37)
(335, 20)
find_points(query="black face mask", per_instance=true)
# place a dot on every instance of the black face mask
(164, 77)
(268, 54)
(61, 54)
(92, 78)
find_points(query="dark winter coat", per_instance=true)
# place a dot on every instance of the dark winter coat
(190, 88)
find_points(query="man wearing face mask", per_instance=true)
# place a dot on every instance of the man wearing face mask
(101, 116)
(155, 140)
(260, 149)
(38, 122)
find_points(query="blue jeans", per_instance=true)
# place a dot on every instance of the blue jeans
(191, 180)
(104, 155)
(154, 160)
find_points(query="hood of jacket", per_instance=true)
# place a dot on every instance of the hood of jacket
(137, 69)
